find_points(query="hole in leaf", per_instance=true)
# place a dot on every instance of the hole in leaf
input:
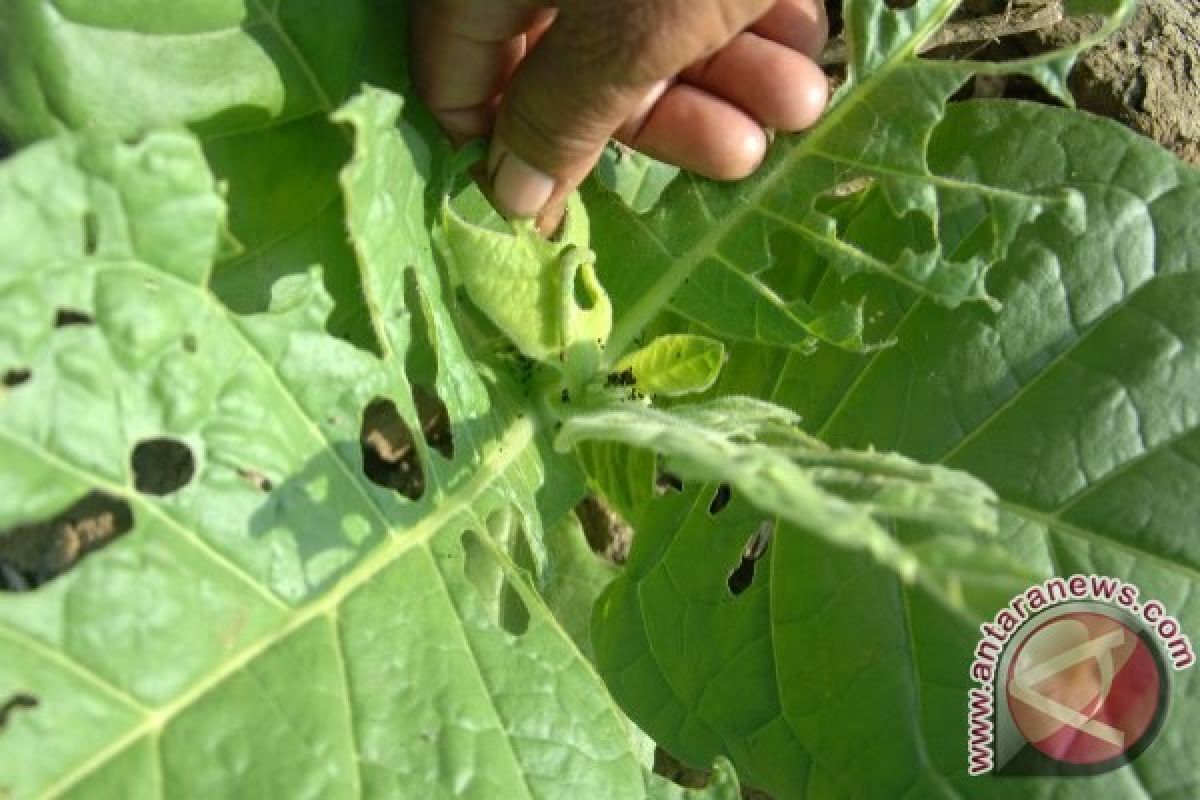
(390, 457)
(91, 232)
(421, 367)
(435, 421)
(35, 553)
(606, 531)
(21, 701)
(900, 5)
(486, 573)
(668, 482)
(833, 10)
(720, 499)
(189, 343)
(679, 773)
(1022, 87)
(756, 547)
(16, 376)
(66, 317)
(162, 466)
(255, 479)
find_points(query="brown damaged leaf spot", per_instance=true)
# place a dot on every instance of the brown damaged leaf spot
(255, 479)
(36, 553)
(390, 456)
(162, 466)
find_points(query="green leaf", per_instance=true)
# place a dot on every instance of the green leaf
(542, 295)
(1077, 403)
(578, 578)
(273, 622)
(624, 476)
(636, 179)
(719, 254)
(794, 676)
(257, 80)
(673, 364)
(843, 497)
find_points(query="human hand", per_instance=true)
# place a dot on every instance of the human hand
(692, 82)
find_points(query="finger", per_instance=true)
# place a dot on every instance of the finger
(541, 23)
(695, 130)
(778, 86)
(462, 56)
(799, 24)
(585, 77)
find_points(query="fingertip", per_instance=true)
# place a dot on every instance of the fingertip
(744, 153)
(519, 189)
(808, 101)
(700, 132)
(781, 88)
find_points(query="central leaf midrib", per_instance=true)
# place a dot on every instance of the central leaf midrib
(1056, 524)
(222, 314)
(658, 295)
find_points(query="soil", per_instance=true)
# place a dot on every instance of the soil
(1146, 76)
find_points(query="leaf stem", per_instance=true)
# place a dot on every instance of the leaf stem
(1019, 18)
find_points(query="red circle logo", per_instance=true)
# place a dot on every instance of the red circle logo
(1084, 688)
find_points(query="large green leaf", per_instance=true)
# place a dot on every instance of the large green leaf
(1078, 403)
(847, 498)
(720, 255)
(636, 179)
(278, 625)
(256, 79)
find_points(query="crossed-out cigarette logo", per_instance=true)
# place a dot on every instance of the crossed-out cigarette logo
(1073, 679)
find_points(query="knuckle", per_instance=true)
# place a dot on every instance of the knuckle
(550, 132)
(638, 42)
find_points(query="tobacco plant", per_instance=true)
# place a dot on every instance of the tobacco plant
(293, 425)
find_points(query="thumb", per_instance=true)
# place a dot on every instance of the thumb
(599, 64)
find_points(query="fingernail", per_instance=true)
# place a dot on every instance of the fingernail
(519, 188)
